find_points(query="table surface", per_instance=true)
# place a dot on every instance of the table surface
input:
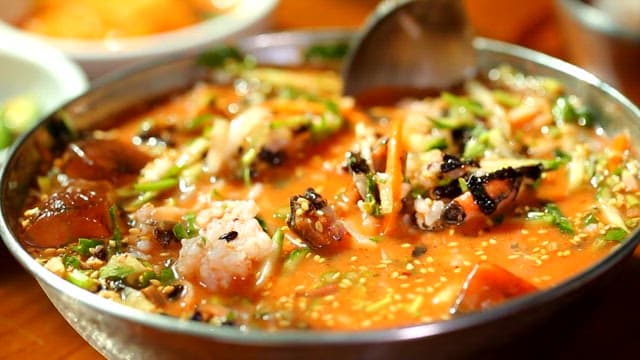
(31, 328)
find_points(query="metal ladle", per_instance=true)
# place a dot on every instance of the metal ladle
(411, 44)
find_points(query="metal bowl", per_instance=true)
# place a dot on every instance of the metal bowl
(120, 332)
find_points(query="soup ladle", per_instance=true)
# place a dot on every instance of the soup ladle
(411, 45)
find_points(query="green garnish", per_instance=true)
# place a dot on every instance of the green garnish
(552, 215)
(330, 51)
(328, 123)
(565, 112)
(464, 102)
(85, 245)
(158, 185)
(294, 259)
(187, 228)
(615, 234)
(71, 261)
(81, 279)
(117, 235)
(218, 57)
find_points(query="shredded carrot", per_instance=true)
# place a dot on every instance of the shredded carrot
(394, 169)
(295, 106)
(620, 144)
(355, 115)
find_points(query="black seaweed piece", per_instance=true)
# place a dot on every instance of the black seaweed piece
(165, 236)
(274, 158)
(454, 213)
(357, 164)
(418, 250)
(177, 291)
(316, 200)
(450, 162)
(230, 236)
(448, 191)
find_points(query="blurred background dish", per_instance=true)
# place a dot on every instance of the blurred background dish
(35, 79)
(104, 35)
(603, 36)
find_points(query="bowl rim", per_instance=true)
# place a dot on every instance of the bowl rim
(257, 337)
(596, 19)
(242, 16)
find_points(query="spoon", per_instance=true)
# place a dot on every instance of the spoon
(411, 45)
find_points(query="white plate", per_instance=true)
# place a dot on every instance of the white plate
(99, 57)
(31, 67)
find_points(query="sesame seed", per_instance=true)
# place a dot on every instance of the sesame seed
(405, 245)
(513, 256)
(452, 244)
(354, 258)
(493, 241)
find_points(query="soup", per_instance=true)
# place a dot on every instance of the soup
(98, 20)
(264, 199)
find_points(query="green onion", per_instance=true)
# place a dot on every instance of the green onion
(117, 235)
(615, 234)
(85, 245)
(219, 56)
(80, 279)
(463, 184)
(166, 276)
(565, 112)
(199, 120)
(246, 160)
(378, 305)
(158, 185)
(468, 104)
(453, 122)
(330, 51)
(436, 142)
(187, 228)
(71, 261)
(269, 265)
(553, 216)
(506, 98)
(328, 123)
(294, 258)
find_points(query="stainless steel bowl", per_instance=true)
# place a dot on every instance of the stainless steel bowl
(120, 332)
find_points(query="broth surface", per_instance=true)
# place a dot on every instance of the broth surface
(264, 199)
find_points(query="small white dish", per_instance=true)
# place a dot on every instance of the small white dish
(29, 67)
(101, 56)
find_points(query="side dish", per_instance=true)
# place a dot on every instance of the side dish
(264, 199)
(99, 19)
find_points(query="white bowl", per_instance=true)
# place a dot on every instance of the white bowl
(99, 57)
(33, 68)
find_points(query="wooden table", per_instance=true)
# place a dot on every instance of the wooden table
(30, 327)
